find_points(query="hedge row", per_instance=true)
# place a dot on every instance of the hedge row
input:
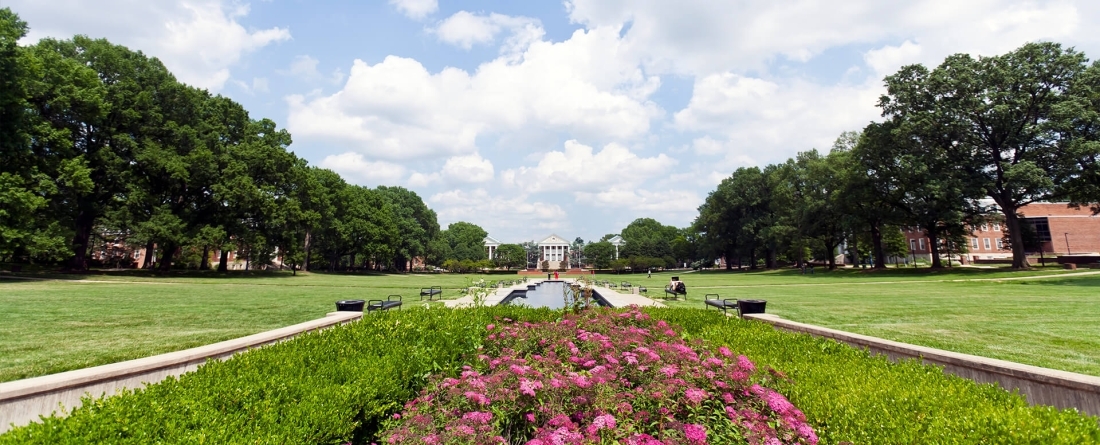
(850, 396)
(328, 387)
(337, 385)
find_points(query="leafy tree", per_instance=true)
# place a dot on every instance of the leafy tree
(417, 224)
(600, 254)
(511, 255)
(1004, 115)
(647, 237)
(465, 241)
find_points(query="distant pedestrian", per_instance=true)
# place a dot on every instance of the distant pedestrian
(555, 275)
(649, 274)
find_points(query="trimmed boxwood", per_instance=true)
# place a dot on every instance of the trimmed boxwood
(337, 385)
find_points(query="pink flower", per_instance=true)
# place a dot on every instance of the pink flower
(490, 327)
(529, 386)
(530, 417)
(695, 395)
(605, 421)
(695, 434)
(670, 370)
(744, 363)
(725, 351)
(477, 398)
(396, 416)
(478, 417)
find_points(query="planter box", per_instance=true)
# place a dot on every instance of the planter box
(751, 306)
(350, 305)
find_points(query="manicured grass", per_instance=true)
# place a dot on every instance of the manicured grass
(70, 322)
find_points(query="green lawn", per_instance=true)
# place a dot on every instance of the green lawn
(69, 322)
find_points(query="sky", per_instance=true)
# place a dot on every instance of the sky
(577, 117)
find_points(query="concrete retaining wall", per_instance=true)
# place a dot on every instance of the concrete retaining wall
(23, 401)
(1042, 386)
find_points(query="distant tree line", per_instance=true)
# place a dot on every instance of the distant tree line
(99, 143)
(1013, 129)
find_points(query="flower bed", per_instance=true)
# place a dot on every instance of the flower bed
(601, 376)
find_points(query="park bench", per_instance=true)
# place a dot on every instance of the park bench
(675, 293)
(643, 290)
(382, 305)
(611, 285)
(716, 301)
(434, 291)
(625, 285)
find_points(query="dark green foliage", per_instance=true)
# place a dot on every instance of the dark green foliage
(849, 396)
(337, 385)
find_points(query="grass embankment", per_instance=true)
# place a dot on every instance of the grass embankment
(70, 322)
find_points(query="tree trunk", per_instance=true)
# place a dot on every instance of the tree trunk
(752, 259)
(305, 247)
(85, 222)
(223, 266)
(853, 250)
(770, 261)
(1016, 239)
(831, 249)
(147, 262)
(876, 242)
(934, 247)
(205, 263)
(169, 252)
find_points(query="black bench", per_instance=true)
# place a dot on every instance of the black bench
(434, 291)
(382, 305)
(612, 285)
(675, 294)
(643, 290)
(626, 285)
(714, 300)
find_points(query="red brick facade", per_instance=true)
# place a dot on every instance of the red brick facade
(1062, 230)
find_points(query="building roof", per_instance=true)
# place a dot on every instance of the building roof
(554, 240)
(490, 241)
(617, 240)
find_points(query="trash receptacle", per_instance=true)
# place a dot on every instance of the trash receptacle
(751, 306)
(350, 305)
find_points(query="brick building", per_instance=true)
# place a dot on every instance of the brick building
(1061, 230)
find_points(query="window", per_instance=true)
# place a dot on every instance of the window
(985, 227)
(986, 243)
(1000, 244)
(913, 245)
(922, 244)
(974, 243)
(996, 226)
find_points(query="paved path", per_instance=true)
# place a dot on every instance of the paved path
(615, 298)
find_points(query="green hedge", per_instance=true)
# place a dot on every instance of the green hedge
(327, 387)
(851, 396)
(337, 385)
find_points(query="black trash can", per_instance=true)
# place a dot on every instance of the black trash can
(350, 305)
(751, 306)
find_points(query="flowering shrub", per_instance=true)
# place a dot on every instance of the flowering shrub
(599, 376)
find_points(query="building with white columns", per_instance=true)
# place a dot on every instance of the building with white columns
(554, 249)
(491, 245)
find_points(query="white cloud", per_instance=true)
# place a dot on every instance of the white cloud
(702, 37)
(513, 218)
(359, 170)
(465, 29)
(758, 121)
(467, 169)
(396, 109)
(416, 9)
(671, 204)
(259, 84)
(304, 67)
(578, 168)
(199, 41)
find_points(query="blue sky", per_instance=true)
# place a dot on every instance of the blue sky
(575, 117)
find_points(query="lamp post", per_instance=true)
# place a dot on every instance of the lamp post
(1068, 251)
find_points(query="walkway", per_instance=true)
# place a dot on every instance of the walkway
(496, 296)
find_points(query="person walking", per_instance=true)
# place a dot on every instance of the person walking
(555, 275)
(649, 274)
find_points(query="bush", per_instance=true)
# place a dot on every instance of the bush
(339, 385)
(850, 396)
(332, 386)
